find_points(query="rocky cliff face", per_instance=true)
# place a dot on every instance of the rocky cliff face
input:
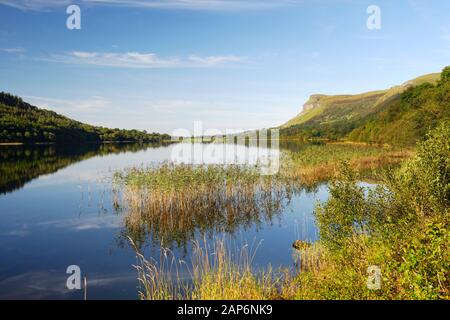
(313, 102)
(337, 110)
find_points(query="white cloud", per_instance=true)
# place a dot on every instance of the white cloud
(162, 4)
(109, 59)
(93, 104)
(86, 223)
(13, 50)
(214, 60)
(84, 55)
(140, 60)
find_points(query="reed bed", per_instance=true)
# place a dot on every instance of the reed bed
(178, 203)
(171, 203)
(215, 272)
(223, 270)
(174, 202)
(317, 164)
(309, 259)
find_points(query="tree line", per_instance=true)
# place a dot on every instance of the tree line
(22, 122)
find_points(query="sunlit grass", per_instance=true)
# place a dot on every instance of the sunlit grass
(315, 164)
(177, 203)
(223, 270)
(220, 271)
(173, 202)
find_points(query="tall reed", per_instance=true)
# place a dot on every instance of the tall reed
(222, 270)
(215, 272)
(173, 202)
(315, 164)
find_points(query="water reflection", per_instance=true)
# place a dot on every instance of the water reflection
(49, 223)
(178, 218)
(22, 164)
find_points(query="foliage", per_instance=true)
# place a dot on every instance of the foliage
(407, 120)
(334, 221)
(428, 174)
(22, 122)
(402, 227)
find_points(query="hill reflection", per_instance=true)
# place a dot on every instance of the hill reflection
(20, 164)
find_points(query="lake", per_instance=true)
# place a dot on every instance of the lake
(56, 210)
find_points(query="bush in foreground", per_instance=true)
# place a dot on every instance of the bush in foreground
(401, 227)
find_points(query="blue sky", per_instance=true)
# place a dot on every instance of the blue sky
(235, 64)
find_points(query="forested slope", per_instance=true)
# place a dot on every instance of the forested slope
(400, 115)
(22, 122)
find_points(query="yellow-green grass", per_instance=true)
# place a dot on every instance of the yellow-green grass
(315, 164)
(215, 272)
(173, 202)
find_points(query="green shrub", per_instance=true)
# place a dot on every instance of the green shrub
(402, 227)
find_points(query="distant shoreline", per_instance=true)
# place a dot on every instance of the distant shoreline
(5, 144)
(11, 143)
(288, 139)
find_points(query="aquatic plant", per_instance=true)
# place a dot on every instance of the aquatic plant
(401, 227)
(317, 163)
(172, 202)
(215, 272)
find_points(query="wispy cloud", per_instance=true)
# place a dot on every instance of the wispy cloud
(13, 50)
(161, 4)
(213, 60)
(92, 104)
(140, 60)
(96, 222)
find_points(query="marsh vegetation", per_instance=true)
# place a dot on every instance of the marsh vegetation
(171, 203)
(401, 226)
(313, 164)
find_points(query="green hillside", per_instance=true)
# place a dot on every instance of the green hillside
(407, 120)
(344, 116)
(22, 122)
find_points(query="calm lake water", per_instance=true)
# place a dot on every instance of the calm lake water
(56, 210)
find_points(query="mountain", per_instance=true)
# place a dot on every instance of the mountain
(369, 117)
(22, 122)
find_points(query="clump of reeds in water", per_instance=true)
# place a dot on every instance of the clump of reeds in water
(173, 202)
(222, 270)
(214, 272)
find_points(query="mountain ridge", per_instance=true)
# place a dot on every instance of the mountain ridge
(315, 100)
(335, 117)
